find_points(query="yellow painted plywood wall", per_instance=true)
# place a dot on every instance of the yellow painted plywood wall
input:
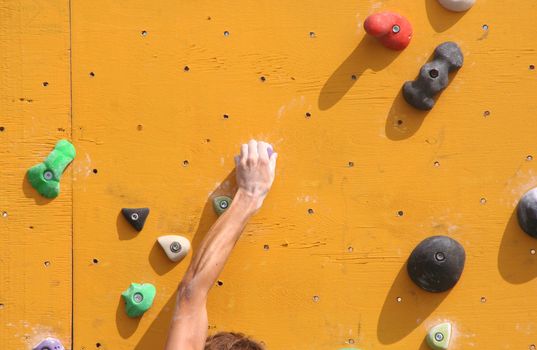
(35, 234)
(164, 92)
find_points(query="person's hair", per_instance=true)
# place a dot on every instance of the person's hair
(231, 341)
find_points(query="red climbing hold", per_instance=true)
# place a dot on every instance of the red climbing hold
(393, 30)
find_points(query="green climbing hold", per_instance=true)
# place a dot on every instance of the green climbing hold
(439, 336)
(45, 177)
(221, 203)
(138, 298)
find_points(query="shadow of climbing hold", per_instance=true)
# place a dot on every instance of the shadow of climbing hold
(45, 177)
(221, 203)
(391, 29)
(136, 217)
(527, 212)
(49, 344)
(433, 76)
(436, 263)
(439, 336)
(175, 247)
(138, 298)
(457, 5)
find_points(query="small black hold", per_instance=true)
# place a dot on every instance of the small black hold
(136, 217)
(2, 128)
(95, 171)
(263, 78)
(433, 76)
(45, 83)
(436, 263)
(527, 212)
(92, 74)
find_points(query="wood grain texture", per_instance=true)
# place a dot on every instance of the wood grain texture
(140, 114)
(35, 233)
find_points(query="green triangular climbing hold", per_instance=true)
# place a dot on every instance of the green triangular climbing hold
(138, 298)
(439, 336)
(221, 203)
(45, 177)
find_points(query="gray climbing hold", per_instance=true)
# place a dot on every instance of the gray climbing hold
(136, 217)
(433, 76)
(175, 247)
(221, 203)
(527, 212)
(439, 336)
(436, 263)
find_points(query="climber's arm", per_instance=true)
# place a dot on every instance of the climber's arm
(255, 174)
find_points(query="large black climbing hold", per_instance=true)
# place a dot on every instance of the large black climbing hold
(433, 76)
(527, 212)
(436, 263)
(136, 217)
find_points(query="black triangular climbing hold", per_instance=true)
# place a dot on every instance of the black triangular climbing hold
(136, 217)
(436, 263)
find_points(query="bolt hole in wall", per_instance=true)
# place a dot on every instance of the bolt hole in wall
(532, 67)
(316, 298)
(485, 27)
(46, 263)
(95, 171)
(350, 164)
(399, 299)
(308, 114)
(2, 128)
(226, 116)
(483, 201)
(186, 69)
(220, 283)
(185, 162)
(263, 79)
(45, 83)
(310, 211)
(97, 345)
(95, 261)
(350, 249)
(226, 33)
(483, 300)
(486, 114)
(529, 157)
(91, 74)
(312, 35)
(266, 247)
(436, 164)
(532, 251)
(144, 32)
(400, 213)
(353, 77)
(140, 127)
(2, 306)
(532, 347)
(4, 214)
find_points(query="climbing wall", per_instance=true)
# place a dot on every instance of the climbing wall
(35, 233)
(163, 93)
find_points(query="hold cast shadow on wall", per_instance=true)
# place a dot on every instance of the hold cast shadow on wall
(156, 334)
(369, 54)
(440, 18)
(398, 319)
(515, 262)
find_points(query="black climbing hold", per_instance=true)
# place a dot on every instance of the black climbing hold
(136, 216)
(527, 212)
(433, 76)
(436, 263)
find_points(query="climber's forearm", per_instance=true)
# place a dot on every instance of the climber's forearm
(211, 256)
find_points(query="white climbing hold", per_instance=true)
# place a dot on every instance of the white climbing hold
(175, 247)
(457, 5)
